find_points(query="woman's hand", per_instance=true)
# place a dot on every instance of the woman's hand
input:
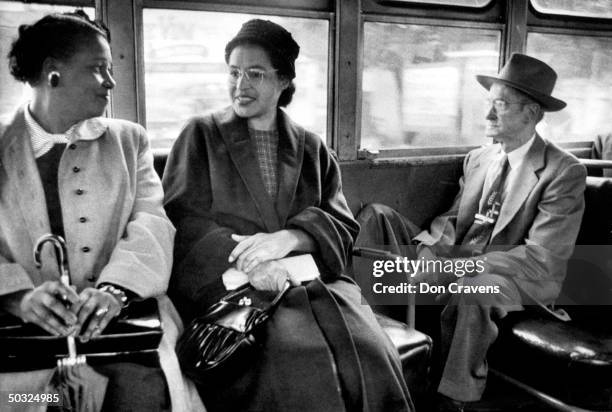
(97, 310)
(262, 247)
(51, 305)
(269, 275)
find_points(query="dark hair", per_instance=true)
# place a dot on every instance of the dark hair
(283, 70)
(57, 35)
(286, 95)
(279, 45)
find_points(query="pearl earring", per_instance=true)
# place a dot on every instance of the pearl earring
(53, 78)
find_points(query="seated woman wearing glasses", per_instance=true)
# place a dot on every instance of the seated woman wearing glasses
(246, 187)
(68, 171)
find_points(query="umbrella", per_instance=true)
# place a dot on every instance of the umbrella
(81, 388)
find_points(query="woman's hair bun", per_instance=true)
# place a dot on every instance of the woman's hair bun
(57, 35)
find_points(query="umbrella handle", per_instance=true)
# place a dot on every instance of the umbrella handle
(61, 255)
(72, 352)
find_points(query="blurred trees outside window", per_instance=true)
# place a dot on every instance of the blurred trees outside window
(419, 86)
(584, 82)
(186, 74)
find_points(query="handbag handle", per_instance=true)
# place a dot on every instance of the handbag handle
(240, 291)
(280, 295)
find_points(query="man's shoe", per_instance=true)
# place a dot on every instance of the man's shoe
(446, 404)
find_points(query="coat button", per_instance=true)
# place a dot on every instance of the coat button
(76, 169)
(79, 192)
(85, 249)
(82, 219)
(72, 146)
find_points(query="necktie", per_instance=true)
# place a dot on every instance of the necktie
(479, 234)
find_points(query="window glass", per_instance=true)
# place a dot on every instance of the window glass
(12, 15)
(591, 8)
(584, 82)
(186, 74)
(463, 3)
(419, 86)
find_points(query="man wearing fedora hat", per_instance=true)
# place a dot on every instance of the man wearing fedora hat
(517, 215)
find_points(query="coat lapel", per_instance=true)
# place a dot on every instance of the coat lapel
(472, 192)
(234, 132)
(22, 172)
(522, 184)
(290, 158)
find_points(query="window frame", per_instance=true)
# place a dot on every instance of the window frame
(567, 18)
(426, 3)
(568, 25)
(493, 12)
(579, 23)
(516, 18)
(68, 3)
(346, 19)
(238, 9)
(436, 22)
(569, 31)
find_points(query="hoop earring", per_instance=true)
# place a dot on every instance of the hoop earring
(53, 78)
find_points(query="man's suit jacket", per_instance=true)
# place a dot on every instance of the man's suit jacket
(538, 222)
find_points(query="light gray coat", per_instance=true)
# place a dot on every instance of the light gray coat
(128, 236)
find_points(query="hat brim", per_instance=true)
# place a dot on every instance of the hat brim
(548, 103)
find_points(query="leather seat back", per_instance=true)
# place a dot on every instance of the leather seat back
(589, 276)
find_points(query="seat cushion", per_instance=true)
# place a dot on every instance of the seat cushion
(566, 341)
(414, 349)
(597, 221)
(563, 359)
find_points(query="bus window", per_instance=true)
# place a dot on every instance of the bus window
(186, 75)
(585, 82)
(12, 15)
(419, 86)
(462, 3)
(580, 8)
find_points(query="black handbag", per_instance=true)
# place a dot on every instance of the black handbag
(219, 342)
(133, 336)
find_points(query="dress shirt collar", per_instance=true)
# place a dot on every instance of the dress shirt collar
(516, 157)
(42, 141)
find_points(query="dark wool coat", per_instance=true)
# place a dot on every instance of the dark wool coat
(322, 350)
(214, 188)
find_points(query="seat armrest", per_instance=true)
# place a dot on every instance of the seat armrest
(415, 350)
(380, 254)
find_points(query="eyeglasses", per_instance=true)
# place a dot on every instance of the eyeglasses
(254, 76)
(501, 105)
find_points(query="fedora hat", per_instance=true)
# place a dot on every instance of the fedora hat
(529, 75)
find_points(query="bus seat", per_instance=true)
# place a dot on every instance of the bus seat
(574, 362)
(415, 350)
(159, 161)
(574, 358)
(414, 347)
(576, 355)
(602, 149)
